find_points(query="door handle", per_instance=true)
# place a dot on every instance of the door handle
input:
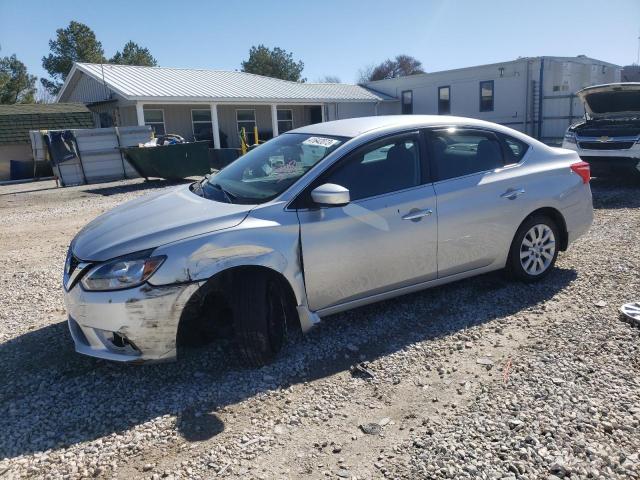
(415, 215)
(512, 193)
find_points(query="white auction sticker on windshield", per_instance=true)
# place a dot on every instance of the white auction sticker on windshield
(321, 141)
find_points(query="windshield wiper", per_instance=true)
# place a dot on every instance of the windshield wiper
(226, 194)
(197, 189)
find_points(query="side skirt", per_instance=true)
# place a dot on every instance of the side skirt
(341, 307)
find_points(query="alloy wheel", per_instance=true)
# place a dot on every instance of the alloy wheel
(538, 249)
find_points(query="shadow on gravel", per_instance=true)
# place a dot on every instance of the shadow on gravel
(53, 398)
(2, 194)
(612, 193)
(107, 191)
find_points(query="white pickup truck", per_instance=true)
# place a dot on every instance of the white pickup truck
(609, 136)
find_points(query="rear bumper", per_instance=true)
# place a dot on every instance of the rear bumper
(611, 164)
(134, 326)
(579, 216)
(603, 162)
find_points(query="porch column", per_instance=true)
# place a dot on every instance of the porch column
(274, 120)
(322, 107)
(140, 114)
(215, 126)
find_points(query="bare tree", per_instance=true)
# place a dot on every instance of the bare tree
(401, 66)
(329, 79)
(44, 96)
(364, 74)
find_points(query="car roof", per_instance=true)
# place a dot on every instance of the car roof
(353, 127)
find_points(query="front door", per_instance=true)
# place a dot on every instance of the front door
(385, 238)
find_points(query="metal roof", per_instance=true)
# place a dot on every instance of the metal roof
(182, 84)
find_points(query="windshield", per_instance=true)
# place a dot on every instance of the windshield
(268, 170)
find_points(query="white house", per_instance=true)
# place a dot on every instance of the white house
(212, 104)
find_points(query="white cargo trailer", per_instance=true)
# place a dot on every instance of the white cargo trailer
(534, 95)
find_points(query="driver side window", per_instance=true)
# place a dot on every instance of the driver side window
(384, 166)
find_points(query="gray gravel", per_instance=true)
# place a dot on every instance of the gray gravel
(480, 379)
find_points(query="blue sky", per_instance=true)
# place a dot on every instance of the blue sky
(333, 37)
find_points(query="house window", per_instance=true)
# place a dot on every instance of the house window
(285, 120)
(155, 119)
(202, 126)
(444, 100)
(486, 96)
(407, 102)
(246, 119)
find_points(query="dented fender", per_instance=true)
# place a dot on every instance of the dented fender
(258, 241)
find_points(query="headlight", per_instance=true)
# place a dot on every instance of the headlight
(570, 137)
(124, 272)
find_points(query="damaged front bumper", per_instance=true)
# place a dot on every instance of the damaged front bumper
(135, 325)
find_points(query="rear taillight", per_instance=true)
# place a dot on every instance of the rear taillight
(582, 169)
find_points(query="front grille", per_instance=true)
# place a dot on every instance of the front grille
(606, 145)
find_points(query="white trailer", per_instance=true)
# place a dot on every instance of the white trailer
(534, 95)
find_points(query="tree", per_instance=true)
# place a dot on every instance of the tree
(274, 62)
(329, 79)
(16, 85)
(76, 43)
(134, 54)
(44, 96)
(401, 66)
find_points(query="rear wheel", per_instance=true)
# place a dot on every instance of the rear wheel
(534, 249)
(259, 308)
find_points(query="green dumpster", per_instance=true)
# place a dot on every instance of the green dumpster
(172, 162)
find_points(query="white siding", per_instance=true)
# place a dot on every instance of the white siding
(516, 101)
(87, 90)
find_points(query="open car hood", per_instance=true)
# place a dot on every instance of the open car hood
(619, 100)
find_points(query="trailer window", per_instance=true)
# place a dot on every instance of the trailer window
(486, 96)
(407, 102)
(444, 100)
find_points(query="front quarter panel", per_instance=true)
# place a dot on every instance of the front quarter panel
(269, 237)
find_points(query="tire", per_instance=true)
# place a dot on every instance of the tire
(534, 249)
(259, 309)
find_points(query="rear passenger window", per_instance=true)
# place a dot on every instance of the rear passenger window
(384, 166)
(458, 152)
(515, 149)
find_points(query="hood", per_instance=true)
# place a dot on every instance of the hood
(154, 220)
(619, 100)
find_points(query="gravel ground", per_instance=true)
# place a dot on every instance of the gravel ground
(483, 378)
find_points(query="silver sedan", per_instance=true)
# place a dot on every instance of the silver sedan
(319, 220)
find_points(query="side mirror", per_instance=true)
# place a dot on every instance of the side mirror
(330, 194)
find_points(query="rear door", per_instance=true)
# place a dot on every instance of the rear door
(480, 197)
(385, 238)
